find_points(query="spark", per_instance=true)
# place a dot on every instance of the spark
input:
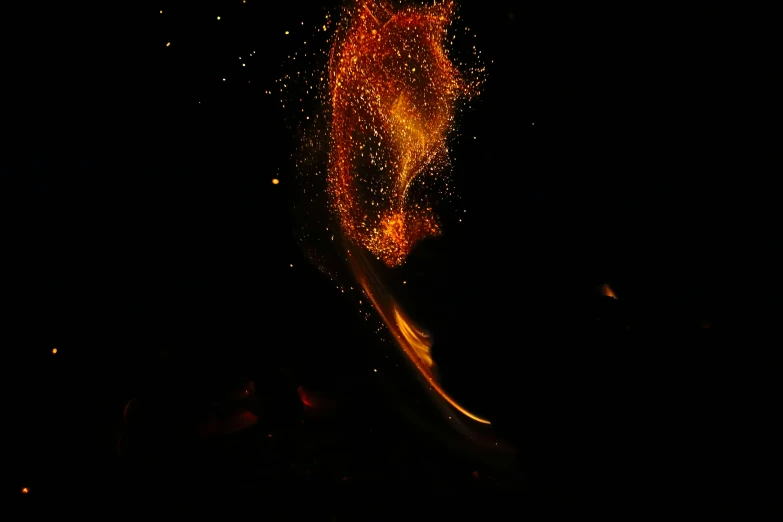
(275, 181)
(54, 350)
(218, 18)
(169, 43)
(25, 491)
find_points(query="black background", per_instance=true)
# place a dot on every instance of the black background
(155, 252)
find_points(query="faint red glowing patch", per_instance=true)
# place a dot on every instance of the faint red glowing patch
(217, 426)
(313, 400)
(128, 408)
(306, 397)
(475, 474)
(25, 491)
(706, 325)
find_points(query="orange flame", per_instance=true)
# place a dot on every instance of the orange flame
(607, 291)
(393, 93)
(414, 343)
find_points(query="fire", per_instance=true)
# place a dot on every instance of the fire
(414, 343)
(607, 291)
(393, 92)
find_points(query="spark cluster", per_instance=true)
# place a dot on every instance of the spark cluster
(374, 123)
(393, 91)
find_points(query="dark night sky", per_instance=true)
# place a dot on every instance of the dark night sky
(155, 247)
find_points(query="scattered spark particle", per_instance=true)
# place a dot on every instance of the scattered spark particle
(218, 18)
(54, 350)
(243, 65)
(286, 32)
(275, 181)
(161, 11)
(405, 282)
(270, 435)
(167, 44)
(224, 79)
(291, 265)
(374, 370)
(533, 123)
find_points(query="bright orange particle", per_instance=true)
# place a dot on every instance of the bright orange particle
(25, 490)
(54, 350)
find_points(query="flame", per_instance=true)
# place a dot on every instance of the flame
(607, 291)
(392, 92)
(414, 343)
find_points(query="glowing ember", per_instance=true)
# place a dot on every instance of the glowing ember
(393, 92)
(607, 291)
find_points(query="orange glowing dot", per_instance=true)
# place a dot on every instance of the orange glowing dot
(168, 43)
(25, 491)
(275, 181)
(54, 350)
(270, 435)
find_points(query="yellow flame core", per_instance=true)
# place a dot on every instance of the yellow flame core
(393, 93)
